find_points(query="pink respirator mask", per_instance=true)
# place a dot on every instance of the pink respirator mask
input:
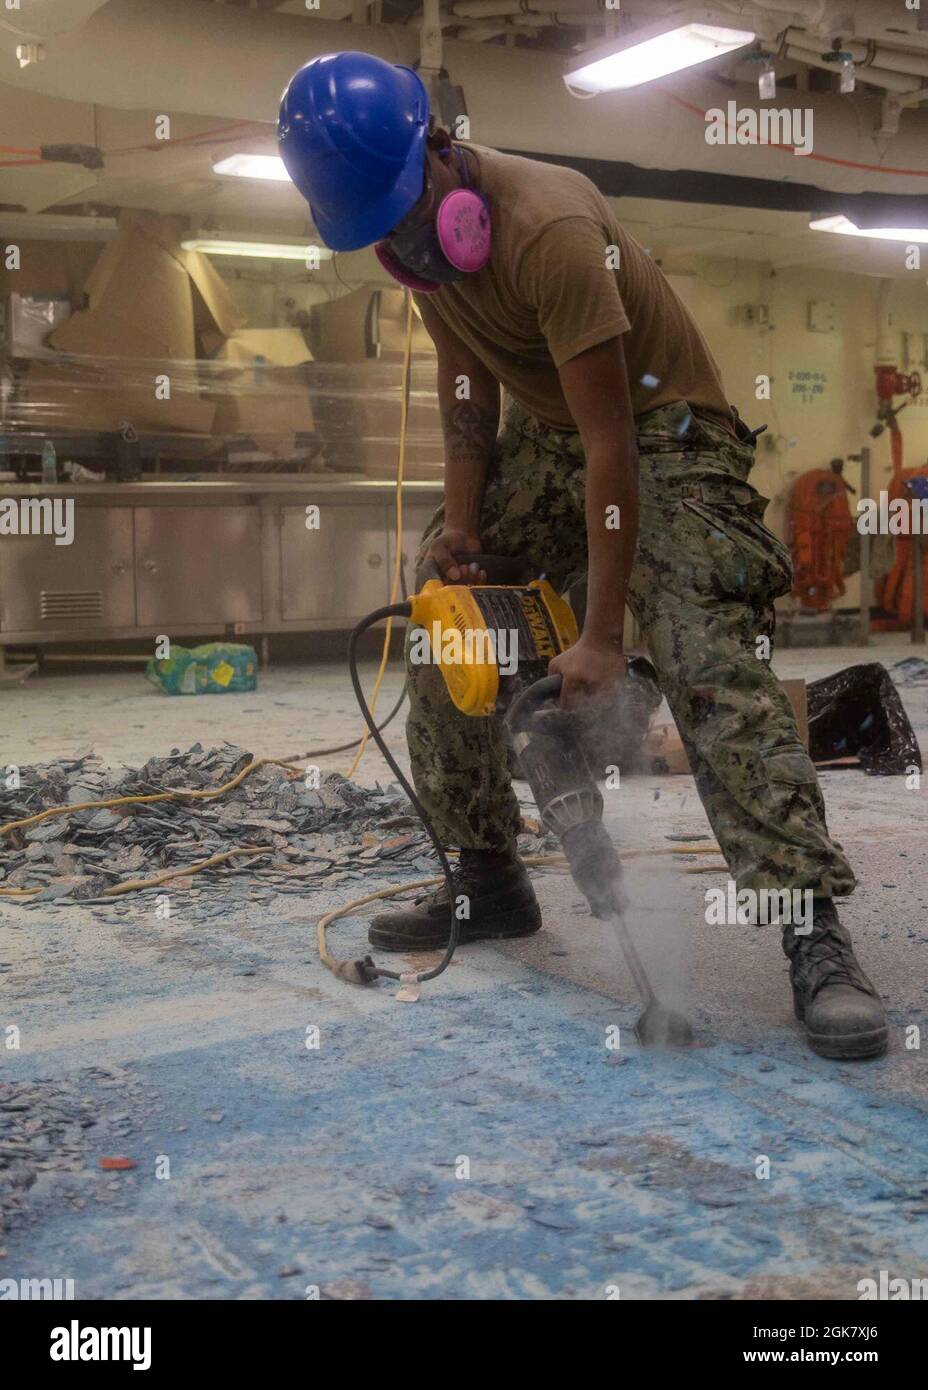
(444, 249)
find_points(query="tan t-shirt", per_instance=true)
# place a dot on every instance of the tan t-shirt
(549, 292)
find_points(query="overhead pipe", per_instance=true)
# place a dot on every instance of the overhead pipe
(808, 11)
(483, 33)
(504, 23)
(526, 23)
(878, 77)
(832, 18)
(430, 41)
(872, 19)
(556, 20)
(870, 55)
(495, 9)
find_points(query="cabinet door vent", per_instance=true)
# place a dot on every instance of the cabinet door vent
(70, 605)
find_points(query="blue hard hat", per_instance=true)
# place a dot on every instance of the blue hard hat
(352, 132)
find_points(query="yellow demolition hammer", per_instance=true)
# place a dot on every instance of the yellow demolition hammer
(492, 643)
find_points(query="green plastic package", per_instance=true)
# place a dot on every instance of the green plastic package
(216, 668)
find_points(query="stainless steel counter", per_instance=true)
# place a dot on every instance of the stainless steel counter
(206, 485)
(206, 555)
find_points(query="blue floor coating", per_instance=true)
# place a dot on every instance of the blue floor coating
(589, 1169)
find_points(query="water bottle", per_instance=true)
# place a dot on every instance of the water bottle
(49, 463)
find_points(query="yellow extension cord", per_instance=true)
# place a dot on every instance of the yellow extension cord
(398, 546)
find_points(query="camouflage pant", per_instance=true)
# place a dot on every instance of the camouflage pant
(705, 574)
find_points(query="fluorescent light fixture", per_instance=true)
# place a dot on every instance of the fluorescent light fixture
(267, 250)
(52, 226)
(845, 227)
(253, 166)
(653, 52)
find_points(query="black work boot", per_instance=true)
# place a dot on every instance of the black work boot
(501, 903)
(841, 1010)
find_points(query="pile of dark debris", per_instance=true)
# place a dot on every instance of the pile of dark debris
(313, 830)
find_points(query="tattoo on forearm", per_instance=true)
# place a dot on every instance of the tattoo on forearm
(470, 431)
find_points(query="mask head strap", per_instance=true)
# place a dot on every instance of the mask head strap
(462, 165)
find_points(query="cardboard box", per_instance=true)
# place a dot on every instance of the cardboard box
(367, 324)
(340, 329)
(388, 327)
(148, 302)
(149, 298)
(265, 392)
(282, 347)
(663, 742)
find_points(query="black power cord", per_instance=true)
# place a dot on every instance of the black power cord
(346, 747)
(402, 610)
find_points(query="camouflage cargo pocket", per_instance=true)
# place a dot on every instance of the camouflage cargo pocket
(746, 559)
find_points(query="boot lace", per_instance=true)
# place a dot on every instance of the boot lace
(467, 879)
(827, 958)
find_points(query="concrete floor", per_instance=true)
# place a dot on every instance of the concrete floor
(485, 1141)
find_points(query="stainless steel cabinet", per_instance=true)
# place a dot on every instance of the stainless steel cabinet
(197, 565)
(338, 571)
(195, 559)
(90, 583)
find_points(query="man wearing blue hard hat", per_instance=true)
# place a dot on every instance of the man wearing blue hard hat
(617, 457)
